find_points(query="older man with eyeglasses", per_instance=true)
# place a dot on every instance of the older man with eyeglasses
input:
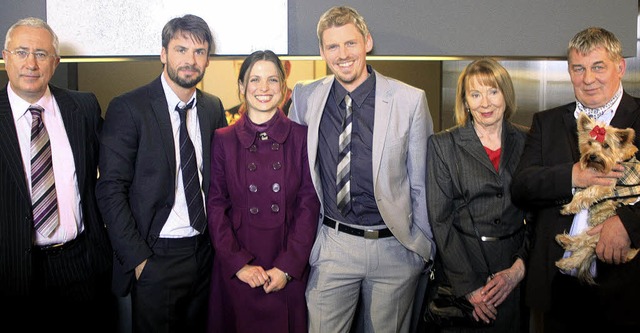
(55, 255)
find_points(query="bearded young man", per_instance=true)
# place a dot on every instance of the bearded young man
(152, 189)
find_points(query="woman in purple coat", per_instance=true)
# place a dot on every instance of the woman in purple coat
(262, 210)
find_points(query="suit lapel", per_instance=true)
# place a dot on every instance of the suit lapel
(159, 106)
(470, 144)
(509, 144)
(317, 101)
(384, 102)
(570, 125)
(627, 112)
(76, 132)
(10, 147)
(204, 118)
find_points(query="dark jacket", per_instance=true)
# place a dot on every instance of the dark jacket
(543, 183)
(136, 188)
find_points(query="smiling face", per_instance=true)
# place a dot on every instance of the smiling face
(595, 76)
(345, 49)
(486, 103)
(262, 89)
(29, 77)
(185, 60)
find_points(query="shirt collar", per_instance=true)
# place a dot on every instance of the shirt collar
(604, 113)
(172, 98)
(19, 106)
(277, 128)
(359, 94)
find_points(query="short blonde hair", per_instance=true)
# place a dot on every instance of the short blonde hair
(338, 16)
(488, 72)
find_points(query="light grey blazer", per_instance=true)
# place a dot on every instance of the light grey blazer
(401, 129)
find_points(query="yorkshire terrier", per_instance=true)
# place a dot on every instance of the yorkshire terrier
(601, 148)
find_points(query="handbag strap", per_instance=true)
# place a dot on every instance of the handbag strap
(466, 203)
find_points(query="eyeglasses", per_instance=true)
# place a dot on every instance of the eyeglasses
(22, 54)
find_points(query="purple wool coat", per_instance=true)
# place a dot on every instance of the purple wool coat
(262, 210)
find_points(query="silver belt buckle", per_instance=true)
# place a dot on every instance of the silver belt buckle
(371, 234)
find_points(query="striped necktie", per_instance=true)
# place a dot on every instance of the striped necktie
(343, 177)
(190, 179)
(43, 187)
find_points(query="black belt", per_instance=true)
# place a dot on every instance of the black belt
(490, 238)
(368, 234)
(59, 247)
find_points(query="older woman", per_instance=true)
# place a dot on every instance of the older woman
(473, 163)
(262, 210)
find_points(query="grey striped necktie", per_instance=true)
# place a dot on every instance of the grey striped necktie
(343, 177)
(43, 188)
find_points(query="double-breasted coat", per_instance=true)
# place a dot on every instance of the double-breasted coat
(262, 210)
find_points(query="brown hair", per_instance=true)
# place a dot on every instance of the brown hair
(247, 65)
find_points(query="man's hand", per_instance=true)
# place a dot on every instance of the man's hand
(139, 268)
(586, 177)
(614, 242)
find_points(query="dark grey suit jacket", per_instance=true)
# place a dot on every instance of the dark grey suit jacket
(81, 116)
(543, 183)
(489, 196)
(136, 188)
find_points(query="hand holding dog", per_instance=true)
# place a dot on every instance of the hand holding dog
(588, 176)
(614, 243)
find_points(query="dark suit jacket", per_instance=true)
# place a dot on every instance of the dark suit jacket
(489, 197)
(136, 188)
(81, 116)
(543, 183)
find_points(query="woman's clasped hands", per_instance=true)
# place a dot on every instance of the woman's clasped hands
(271, 280)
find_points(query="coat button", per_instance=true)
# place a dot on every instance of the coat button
(499, 195)
(252, 166)
(254, 210)
(277, 166)
(496, 221)
(275, 208)
(253, 148)
(253, 188)
(275, 146)
(275, 187)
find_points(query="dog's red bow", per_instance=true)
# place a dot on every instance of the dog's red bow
(598, 133)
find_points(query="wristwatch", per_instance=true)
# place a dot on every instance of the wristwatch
(286, 275)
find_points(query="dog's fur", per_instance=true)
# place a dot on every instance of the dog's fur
(617, 146)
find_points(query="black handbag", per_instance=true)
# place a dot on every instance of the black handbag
(443, 308)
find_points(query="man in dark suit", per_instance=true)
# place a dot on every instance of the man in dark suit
(55, 256)
(546, 179)
(151, 191)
